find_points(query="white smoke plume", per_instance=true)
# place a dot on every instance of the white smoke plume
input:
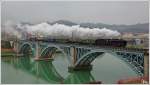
(60, 31)
(9, 29)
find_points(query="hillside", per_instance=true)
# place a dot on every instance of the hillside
(136, 28)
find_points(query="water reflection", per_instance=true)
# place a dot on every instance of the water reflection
(108, 69)
(79, 77)
(45, 70)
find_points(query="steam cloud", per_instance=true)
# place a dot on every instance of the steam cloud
(10, 29)
(60, 31)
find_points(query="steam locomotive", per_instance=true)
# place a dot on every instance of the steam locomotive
(111, 42)
(97, 42)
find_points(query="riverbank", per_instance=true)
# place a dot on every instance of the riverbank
(7, 52)
(134, 80)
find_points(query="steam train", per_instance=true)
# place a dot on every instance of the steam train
(111, 42)
(97, 42)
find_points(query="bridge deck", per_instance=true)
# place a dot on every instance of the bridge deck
(90, 46)
(100, 47)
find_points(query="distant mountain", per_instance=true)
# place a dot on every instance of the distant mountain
(65, 22)
(137, 28)
(94, 25)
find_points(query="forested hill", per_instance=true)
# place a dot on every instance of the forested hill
(136, 28)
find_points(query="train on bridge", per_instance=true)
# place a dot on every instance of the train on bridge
(97, 42)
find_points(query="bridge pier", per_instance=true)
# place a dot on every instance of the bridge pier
(37, 50)
(44, 59)
(16, 47)
(80, 68)
(73, 52)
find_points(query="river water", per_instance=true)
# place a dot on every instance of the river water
(24, 70)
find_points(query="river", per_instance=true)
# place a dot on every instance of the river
(24, 70)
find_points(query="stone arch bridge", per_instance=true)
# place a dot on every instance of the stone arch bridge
(81, 56)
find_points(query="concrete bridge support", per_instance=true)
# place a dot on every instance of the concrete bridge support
(73, 53)
(37, 50)
(16, 47)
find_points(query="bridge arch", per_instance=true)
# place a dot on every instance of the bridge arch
(96, 53)
(89, 57)
(50, 50)
(25, 48)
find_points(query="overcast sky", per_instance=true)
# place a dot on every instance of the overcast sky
(97, 12)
